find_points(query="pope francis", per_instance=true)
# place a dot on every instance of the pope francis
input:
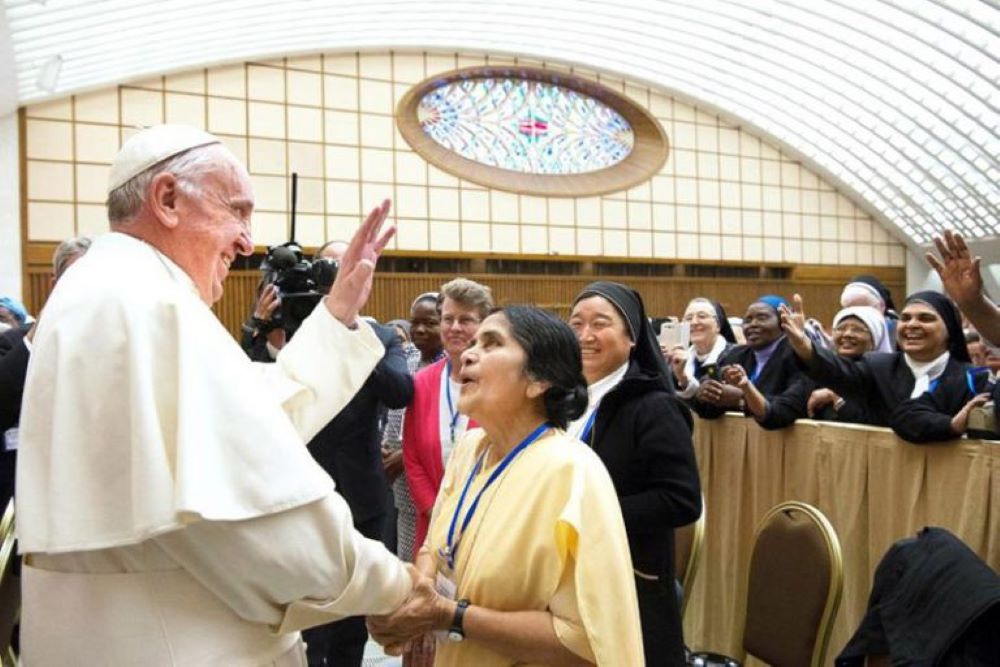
(168, 511)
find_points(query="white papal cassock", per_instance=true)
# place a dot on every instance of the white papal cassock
(167, 507)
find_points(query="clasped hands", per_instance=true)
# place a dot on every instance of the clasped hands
(424, 611)
(728, 392)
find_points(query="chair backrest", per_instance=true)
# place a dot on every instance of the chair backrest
(10, 585)
(688, 541)
(794, 588)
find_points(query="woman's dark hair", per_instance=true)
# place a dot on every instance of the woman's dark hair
(552, 355)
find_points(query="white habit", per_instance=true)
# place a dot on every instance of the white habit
(167, 507)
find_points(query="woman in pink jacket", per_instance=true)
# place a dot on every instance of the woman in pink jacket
(432, 424)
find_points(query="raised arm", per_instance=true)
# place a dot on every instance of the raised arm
(962, 280)
(357, 267)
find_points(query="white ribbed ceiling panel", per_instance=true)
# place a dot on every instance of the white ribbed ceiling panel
(897, 102)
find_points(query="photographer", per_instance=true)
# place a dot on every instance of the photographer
(270, 326)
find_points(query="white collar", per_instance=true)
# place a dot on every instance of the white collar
(925, 371)
(599, 389)
(712, 357)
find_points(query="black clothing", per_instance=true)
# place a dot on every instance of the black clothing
(884, 382)
(349, 447)
(628, 302)
(853, 411)
(928, 417)
(14, 356)
(725, 328)
(781, 382)
(933, 602)
(643, 435)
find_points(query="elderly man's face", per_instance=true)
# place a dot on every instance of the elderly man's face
(215, 227)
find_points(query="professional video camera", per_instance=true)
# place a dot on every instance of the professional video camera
(301, 283)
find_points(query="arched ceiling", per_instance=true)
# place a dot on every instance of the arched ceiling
(895, 101)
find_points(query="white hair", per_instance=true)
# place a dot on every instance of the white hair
(125, 201)
(67, 251)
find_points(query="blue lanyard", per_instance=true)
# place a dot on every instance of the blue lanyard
(589, 426)
(452, 549)
(970, 378)
(452, 412)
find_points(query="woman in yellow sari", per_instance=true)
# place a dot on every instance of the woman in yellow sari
(526, 546)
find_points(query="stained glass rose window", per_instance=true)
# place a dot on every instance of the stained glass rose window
(532, 131)
(531, 126)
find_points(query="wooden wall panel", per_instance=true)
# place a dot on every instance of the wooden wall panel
(393, 292)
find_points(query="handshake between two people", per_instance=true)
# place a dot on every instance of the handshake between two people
(410, 627)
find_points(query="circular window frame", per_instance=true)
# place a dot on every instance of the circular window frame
(648, 155)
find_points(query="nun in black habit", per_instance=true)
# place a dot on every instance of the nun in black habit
(765, 382)
(642, 433)
(924, 391)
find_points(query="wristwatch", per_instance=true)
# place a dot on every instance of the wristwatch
(455, 632)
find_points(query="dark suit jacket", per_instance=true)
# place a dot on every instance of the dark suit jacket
(885, 383)
(14, 357)
(348, 448)
(783, 384)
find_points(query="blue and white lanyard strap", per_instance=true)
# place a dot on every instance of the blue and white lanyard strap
(453, 413)
(589, 426)
(970, 378)
(453, 542)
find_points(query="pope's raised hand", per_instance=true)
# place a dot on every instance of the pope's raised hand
(353, 284)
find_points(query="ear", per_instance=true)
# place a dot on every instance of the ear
(162, 199)
(536, 388)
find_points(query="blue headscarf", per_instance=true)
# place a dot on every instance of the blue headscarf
(773, 300)
(15, 307)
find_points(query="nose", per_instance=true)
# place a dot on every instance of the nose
(467, 357)
(244, 244)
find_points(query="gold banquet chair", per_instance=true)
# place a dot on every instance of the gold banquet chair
(688, 541)
(794, 588)
(10, 587)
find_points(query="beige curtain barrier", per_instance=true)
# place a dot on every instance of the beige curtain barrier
(874, 488)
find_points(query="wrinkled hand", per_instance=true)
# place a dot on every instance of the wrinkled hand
(424, 611)
(353, 284)
(735, 375)
(959, 271)
(793, 322)
(960, 422)
(819, 399)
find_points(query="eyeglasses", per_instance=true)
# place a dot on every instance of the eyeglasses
(853, 329)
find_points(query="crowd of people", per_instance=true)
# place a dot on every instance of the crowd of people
(487, 485)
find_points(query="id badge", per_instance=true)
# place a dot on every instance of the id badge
(445, 586)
